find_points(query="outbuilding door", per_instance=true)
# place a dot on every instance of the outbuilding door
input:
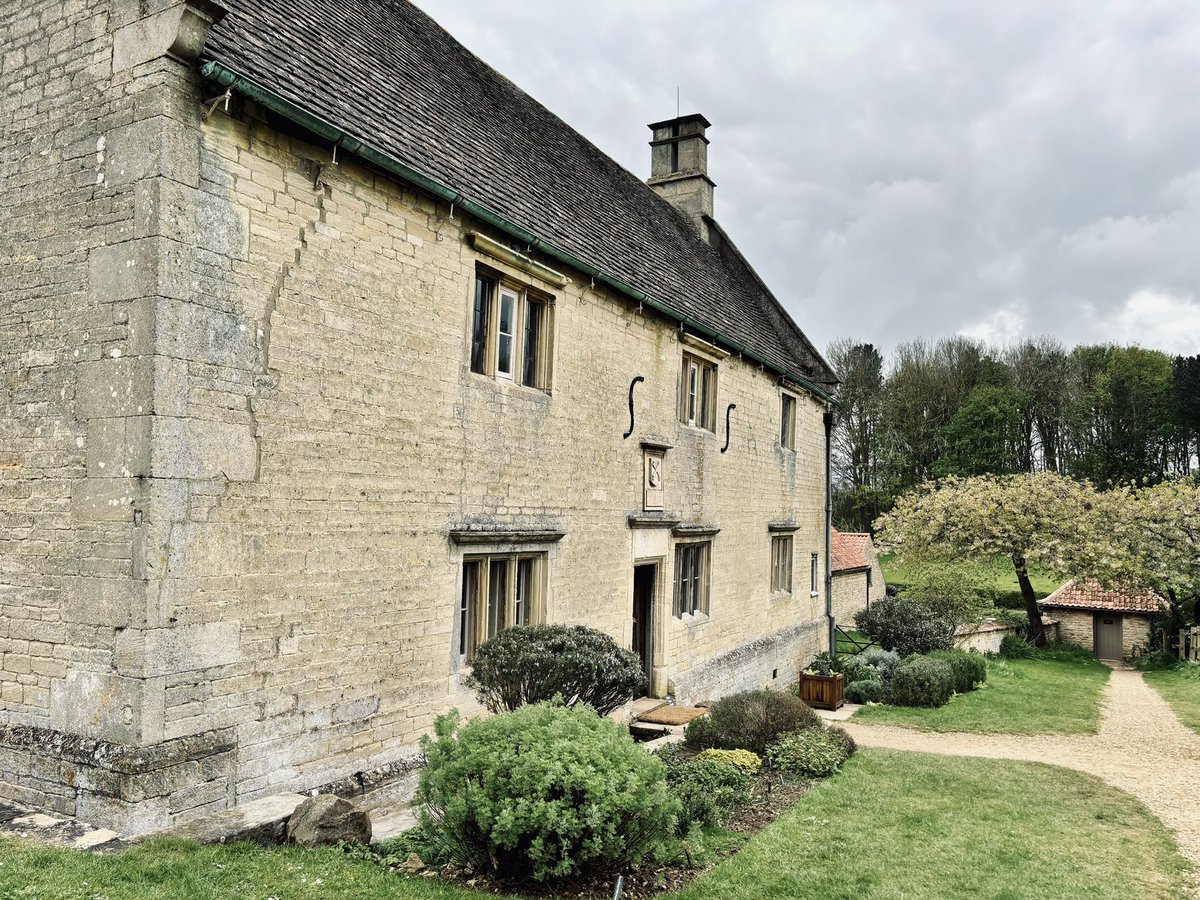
(1106, 635)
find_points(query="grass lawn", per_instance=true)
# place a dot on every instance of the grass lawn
(890, 825)
(178, 869)
(1181, 688)
(1021, 696)
(1008, 592)
(896, 825)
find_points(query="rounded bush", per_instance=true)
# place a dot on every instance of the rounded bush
(865, 691)
(707, 789)
(748, 762)
(921, 681)
(842, 735)
(811, 753)
(544, 792)
(535, 663)
(750, 721)
(904, 626)
(969, 669)
(879, 661)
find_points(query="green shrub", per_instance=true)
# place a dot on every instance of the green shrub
(534, 663)
(744, 760)
(395, 852)
(708, 790)
(969, 669)
(921, 681)
(825, 663)
(811, 753)
(865, 691)
(904, 626)
(750, 721)
(1013, 647)
(879, 661)
(1146, 660)
(544, 792)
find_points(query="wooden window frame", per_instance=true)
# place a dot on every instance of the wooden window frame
(693, 578)
(485, 339)
(475, 623)
(788, 405)
(698, 392)
(782, 553)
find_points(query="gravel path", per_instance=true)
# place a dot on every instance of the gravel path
(1142, 748)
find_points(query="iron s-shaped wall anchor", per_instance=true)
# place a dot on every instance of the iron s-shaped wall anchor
(730, 408)
(632, 385)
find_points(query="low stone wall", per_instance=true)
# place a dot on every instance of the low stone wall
(770, 662)
(987, 636)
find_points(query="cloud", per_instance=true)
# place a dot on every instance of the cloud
(897, 168)
(1159, 321)
(1000, 328)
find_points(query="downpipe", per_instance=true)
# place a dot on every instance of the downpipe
(829, 526)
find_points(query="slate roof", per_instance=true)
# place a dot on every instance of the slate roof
(849, 551)
(384, 72)
(1089, 594)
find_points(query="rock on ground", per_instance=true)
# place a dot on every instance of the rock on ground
(326, 819)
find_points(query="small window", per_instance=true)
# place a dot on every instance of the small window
(781, 564)
(497, 593)
(813, 575)
(510, 333)
(692, 578)
(698, 393)
(787, 423)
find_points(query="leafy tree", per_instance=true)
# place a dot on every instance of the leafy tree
(1185, 410)
(1043, 519)
(1155, 542)
(986, 435)
(1122, 422)
(1042, 372)
(857, 474)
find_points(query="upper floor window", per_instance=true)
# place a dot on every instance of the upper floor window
(692, 577)
(787, 422)
(510, 332)
(813, 566)
(499, 591)
(698, 393)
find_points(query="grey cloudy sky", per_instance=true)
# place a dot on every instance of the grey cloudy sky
(923, 167)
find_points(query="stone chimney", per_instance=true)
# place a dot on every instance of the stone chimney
(679, 167)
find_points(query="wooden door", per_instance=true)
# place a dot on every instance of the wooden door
(1106, 635)
(644, 578)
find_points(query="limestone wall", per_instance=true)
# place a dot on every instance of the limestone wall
(240, 426)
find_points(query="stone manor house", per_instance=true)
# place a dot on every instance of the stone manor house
(325, 354)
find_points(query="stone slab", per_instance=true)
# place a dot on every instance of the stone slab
(262, 821)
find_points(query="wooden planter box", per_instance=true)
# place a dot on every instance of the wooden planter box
(823, 691)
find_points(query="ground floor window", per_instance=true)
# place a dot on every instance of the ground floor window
(692, 577)
(781, 564)
(499, 591)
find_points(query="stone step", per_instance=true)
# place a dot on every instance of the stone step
(388, 823)
(263, 821)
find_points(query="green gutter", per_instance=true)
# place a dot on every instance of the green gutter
(287, 109)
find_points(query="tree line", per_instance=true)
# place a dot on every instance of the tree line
(961, 407)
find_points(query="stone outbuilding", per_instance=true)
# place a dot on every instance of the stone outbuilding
(857, 577)
(1108, 622)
